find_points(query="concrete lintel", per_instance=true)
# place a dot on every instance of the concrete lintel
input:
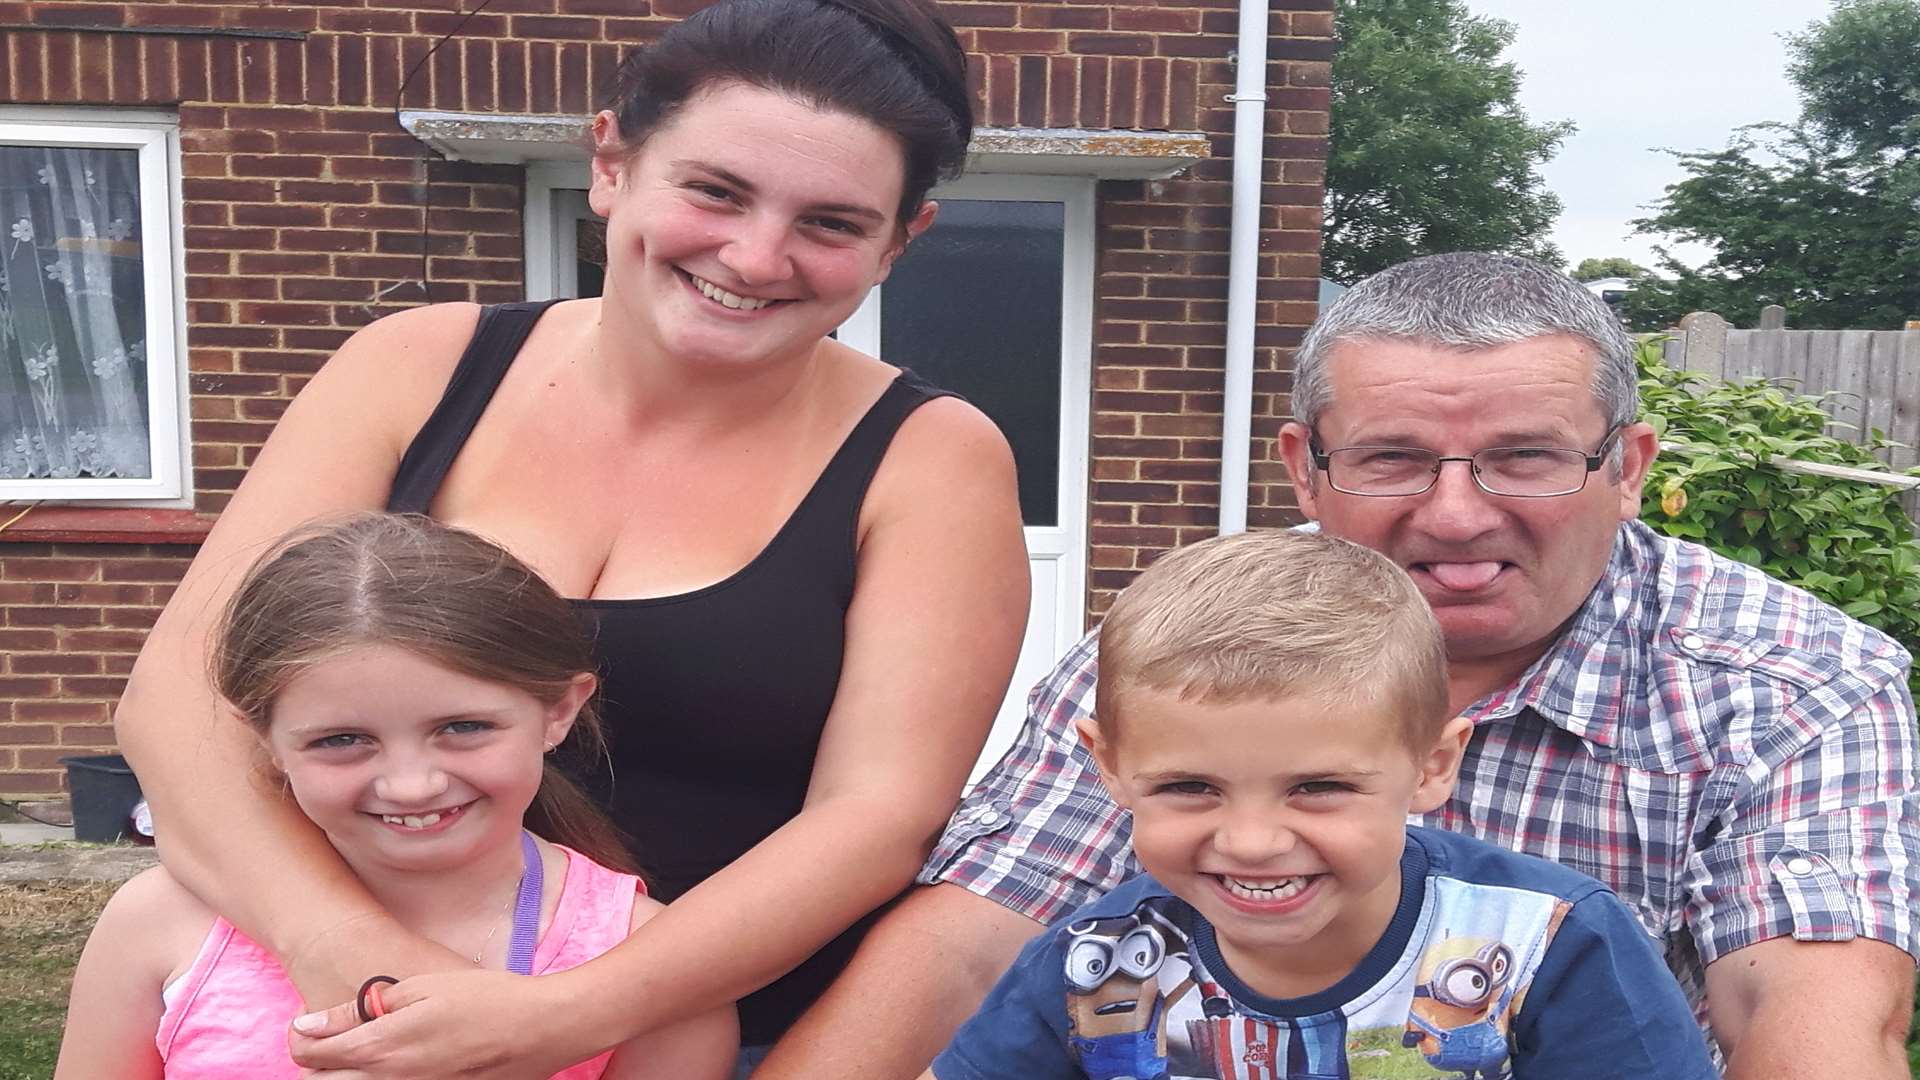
(1104, 155)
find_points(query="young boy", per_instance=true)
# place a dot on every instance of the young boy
(1271, 707)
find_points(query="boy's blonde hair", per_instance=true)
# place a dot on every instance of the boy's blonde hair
(1270, 614)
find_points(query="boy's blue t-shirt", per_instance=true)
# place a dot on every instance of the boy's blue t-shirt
(1495, 965)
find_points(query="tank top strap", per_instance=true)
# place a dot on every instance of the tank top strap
(842, 486)
(497, 338)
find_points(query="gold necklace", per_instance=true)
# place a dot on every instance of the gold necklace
(502, 917)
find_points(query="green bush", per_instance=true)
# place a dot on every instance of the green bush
(1849, 543)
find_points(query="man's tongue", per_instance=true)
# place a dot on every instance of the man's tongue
(1463, 576)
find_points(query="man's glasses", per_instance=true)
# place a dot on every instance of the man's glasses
(1521, 472)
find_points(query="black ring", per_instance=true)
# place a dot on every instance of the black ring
(360, 999)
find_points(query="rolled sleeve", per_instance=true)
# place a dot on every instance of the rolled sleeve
(1039, 834)
(1820, 845)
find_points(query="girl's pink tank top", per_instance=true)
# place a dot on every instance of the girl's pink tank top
(227, 1017)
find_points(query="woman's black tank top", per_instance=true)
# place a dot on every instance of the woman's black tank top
(715, 699)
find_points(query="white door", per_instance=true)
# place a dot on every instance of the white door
(995, 303)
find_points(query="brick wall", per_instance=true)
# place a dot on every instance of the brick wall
(303, 220)
(75, 617)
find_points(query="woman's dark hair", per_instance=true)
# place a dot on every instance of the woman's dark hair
(441, 593)
(895, 63)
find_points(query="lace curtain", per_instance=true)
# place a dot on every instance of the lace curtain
(73, 367)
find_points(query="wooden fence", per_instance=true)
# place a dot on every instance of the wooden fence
(1872, 378)
(1872, 375)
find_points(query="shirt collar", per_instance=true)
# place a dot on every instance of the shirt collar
(1580, 683)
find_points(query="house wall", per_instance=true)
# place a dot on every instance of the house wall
(303, 203)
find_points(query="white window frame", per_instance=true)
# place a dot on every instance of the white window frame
(156, 136)
(550, 269)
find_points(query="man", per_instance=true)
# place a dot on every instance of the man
(1733, 757)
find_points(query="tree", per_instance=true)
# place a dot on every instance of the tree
(1430, 151)
(1817, 215)
(1595, 269)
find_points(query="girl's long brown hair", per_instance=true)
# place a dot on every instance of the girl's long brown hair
(441, 593)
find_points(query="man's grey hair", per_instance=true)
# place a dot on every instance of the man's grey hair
(1470, 300)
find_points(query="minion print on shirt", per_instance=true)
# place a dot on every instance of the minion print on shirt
(1142, 1006)
(1134, 987)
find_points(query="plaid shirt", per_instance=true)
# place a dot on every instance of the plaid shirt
(1733, 757)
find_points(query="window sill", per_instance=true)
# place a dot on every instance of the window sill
(104, 525)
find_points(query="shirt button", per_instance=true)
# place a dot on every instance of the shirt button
(1693, 642)
(992, 817)
(1799, 867)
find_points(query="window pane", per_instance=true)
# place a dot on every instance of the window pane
(974, 307)
(590, 256)
(73, 335)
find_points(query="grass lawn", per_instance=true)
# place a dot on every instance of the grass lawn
(43, 924)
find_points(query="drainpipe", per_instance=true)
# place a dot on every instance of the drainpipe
(1249, 99)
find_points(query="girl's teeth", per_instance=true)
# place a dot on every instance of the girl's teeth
(412, 821)
(722, 296)
(1265, 890)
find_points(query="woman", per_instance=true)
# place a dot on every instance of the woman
(807, 571)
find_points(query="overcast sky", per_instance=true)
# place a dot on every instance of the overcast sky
(1640, 74)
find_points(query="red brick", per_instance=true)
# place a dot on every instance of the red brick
(106, 688)
(136, 618)
(575, 93)
(1089, 44)
(478, 82)
(1019, 41)
(60, 712)
(37, 759)
(1156, 19)
(87, 735)
(533, 26)
(511, 74)
(26, 592)
(1031, 100)
(18, 688)
(17, 640)
(543, 77)
(1094, 91)
(27, 55)
(385, 70)
(95, 66)
(28, 734)
(23, 615)
(19, 568)
(32, 783)
(63, 68)
(1056, 17)
(964, 15)
(1124, 98)
(350, 66)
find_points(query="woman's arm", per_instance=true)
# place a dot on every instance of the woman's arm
(246, 852)
(151, 929)
(702, 1048)
(932, 635)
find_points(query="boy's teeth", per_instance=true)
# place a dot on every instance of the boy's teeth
(732, 300)
(1279, 889)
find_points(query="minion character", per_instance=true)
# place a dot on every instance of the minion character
(1115, 1010)
(1462, 1008)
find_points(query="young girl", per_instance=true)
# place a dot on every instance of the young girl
(406, 681)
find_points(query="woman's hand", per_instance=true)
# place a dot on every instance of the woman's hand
(481, 1024)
